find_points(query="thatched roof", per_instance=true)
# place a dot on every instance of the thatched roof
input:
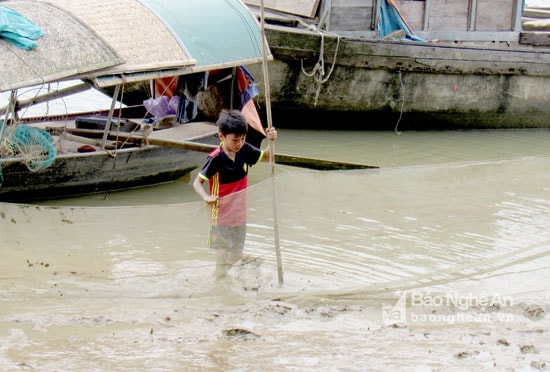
(137, 34)
(68, 48)
(110, 41)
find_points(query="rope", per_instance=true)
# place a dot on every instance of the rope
(318, 71)
(402, 104)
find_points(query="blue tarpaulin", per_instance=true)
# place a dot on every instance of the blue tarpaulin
(392, 20)
(18, 30)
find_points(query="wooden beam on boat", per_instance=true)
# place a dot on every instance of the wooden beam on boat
(81, 139)
(534, 12)
(535, 38)
(292, 160)
(319, 164)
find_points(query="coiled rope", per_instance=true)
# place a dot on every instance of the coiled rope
(318, 72)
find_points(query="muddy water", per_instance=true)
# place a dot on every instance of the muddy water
(439, 260)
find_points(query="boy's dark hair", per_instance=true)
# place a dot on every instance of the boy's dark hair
(232, 122)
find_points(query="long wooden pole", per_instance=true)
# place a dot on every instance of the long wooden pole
(9, 109)
(286, 159)
(267, 93)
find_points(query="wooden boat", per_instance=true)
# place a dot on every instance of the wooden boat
(445, 64)
(109, 169)
(112, 44)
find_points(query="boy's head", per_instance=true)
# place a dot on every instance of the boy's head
(232, 122)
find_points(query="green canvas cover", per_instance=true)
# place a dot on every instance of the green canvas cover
(214, 32)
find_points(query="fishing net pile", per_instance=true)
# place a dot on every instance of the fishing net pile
(34, 145)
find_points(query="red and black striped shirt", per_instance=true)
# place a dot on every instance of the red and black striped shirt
(228, 179)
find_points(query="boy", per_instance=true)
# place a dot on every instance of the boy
(226, 169)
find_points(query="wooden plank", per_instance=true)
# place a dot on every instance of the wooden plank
(536, 13)
(535, 38)
(449, 15)
(450, 8)
(352, 3)
(448, 23)
(304, 8)
(413, 11)
(293, 160)
(189, 132)
(318, 164)
(350, 19)
(351, 15)
(538, 25)
(494, 15)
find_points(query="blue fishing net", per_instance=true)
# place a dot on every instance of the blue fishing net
(34, 145)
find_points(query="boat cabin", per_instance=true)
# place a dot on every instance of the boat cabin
(445, 20)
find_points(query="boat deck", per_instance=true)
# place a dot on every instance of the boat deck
(188, 132)
(182, 132)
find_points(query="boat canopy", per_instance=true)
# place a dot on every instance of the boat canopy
(111, 42)
(68, 48)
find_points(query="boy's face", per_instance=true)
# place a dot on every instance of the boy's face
(232, 142)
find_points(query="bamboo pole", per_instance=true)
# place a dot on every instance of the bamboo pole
(9, 109)
(271, 147)
(88, 141)
(110, 116)
(20, 104)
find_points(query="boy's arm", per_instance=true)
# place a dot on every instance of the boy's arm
(272, 136)
(199, 188)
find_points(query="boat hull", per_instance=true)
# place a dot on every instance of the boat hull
(87, 173)
(376, 83)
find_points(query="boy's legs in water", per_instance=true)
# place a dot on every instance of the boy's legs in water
(229, 244)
